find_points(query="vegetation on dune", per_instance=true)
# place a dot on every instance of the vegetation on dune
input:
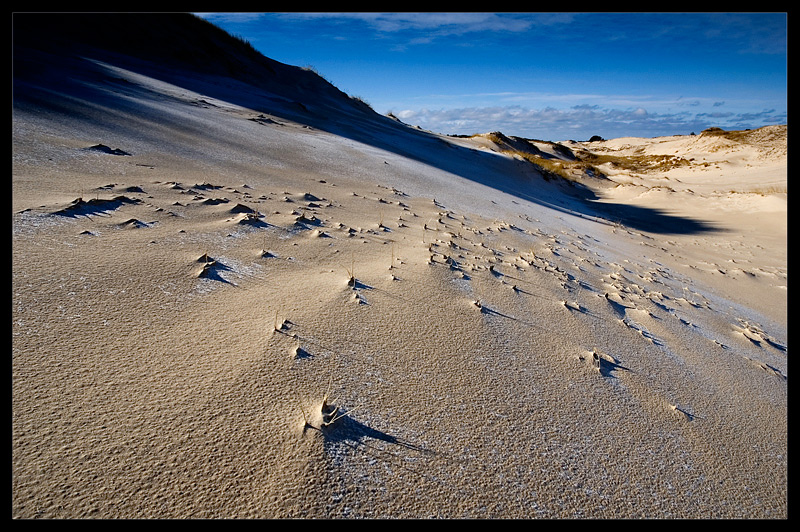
(551, 168)
(770, 139)
(566, 165)
(730, 135)
(572, 165)
(637, 163)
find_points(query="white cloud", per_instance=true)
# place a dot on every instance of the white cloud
(446, 23)
(578, 122)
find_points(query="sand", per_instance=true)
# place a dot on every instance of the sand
(492, 346)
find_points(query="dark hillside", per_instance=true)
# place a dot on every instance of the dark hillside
(49, 51)
(170, 39)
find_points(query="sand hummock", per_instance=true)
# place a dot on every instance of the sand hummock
(427, 328)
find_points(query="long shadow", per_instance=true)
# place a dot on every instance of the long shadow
(211, 270)
(356, 435)
(607, 367)
(346, 429)
(190, 53)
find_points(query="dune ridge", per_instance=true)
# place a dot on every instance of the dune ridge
(282, 305)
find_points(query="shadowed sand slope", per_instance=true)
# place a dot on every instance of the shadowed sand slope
(229, 70)
(270, 302)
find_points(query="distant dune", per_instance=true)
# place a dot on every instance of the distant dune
(237, 292)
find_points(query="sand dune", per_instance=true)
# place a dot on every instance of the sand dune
(278, 304)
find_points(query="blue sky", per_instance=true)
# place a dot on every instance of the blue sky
(548, 76)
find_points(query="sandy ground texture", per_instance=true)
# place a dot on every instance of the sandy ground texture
(218, 312)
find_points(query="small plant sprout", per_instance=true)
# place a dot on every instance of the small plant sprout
(685, 413)
(350, 274)
(279, 325)
(306, 423)
(323, 415)
(425, 228)
(330, 413)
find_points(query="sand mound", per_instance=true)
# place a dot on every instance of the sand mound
(102, 148)
(239, 208)
(94, 206)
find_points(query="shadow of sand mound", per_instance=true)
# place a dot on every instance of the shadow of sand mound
(241, 208)
(608, 365)
(604, 363)
(214, 201)
(261, 119)
(102, 148)
(307, 221)
(251, 219)
(133, 223)
(245, 215)
(311, 197)
(210, 268)
(345, 429)
(647, 219)
(95, 206)
(206, 186)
